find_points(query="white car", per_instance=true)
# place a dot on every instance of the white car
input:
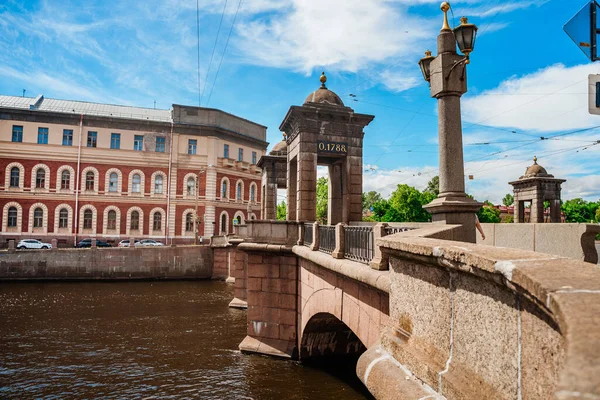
(150, 242)
(33, 244)
(125, 243)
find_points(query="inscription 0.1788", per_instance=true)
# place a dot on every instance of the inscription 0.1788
(332, 147)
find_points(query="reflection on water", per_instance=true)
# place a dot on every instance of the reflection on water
(147, 340)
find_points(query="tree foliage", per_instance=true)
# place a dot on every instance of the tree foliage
(508, 200)
(489, 214)
(409, 202)
(579, 210)
(369, 199)
(433, 186)
(282, 211)
(322, 199)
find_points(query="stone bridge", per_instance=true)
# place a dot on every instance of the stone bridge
(431, 318)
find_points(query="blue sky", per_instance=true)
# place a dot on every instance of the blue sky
(527, 79)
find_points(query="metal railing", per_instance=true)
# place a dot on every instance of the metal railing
(327, 238)
(308, 234)
(358, 243)
(390, 230)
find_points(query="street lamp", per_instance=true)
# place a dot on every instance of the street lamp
(452, 205)
(197, 219)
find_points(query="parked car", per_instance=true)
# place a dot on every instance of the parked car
(33, 244)
(150, 242)
(125, 243)
(88, 243)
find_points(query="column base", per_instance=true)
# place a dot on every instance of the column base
(238, 303)
(270, 347)
(456, 209)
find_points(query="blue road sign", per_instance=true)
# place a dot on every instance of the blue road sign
(583, 29)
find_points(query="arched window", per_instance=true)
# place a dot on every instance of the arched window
(65, 179)
(12, 217)
(15, 174)
(40, 178)
(252, 193)
(189, 222)
(63, 218)
(135, 221)
(38, 218)
(113, 182)
(157, 221)
(238, 191)
(191, 186)
(112, 220)
(89, 182)
(87, 216)
(223, 224)
(136, 183)
(224, 190)
(158, 184)
(238, 220)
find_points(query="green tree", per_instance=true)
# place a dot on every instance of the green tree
(579, 210)
(409, 202)
(489, 214)
(598, 214)
(370, 198)
(433, 186)
(282, 211)
(508, 200)
(322, 199)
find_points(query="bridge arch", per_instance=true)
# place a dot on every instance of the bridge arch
(325, 335)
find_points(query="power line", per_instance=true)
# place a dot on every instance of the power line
(213, 51)
(224, 50)
(198, 36)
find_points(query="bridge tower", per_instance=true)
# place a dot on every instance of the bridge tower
(324, 132)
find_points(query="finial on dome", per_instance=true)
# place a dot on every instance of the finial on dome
(323, 79)
(534, 159)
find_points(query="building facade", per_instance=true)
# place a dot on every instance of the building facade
(71, 170)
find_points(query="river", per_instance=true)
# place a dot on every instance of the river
(144, 340)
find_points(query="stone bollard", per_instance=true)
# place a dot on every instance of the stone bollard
(132, 243)
(93, 243)
(11, 245)
(54, 243)
(380, 261)
(301, 229)
(315, 244)
(338, 252)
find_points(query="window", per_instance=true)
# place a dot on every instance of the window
(67, 137)
(92, 139)
(157, 221)
(224, 190)
(15, 174)
(17, 134)
(158, 184)
(136, 183)
(226, 151)
(160, 144)
(113, 182)
(191, 186)
(65, 179)
(112, 220)
(38, 218)
(12, 217)
(87, 219)
(238, 192)
(63, 218)
(253, 157)
(138, 142)
(89, 180)
(40, 178)
(192, 146)
(115, 140)
(42, 135)
(252, 193)
(135, 221)
(189, 222)
(223, 224)
(240, 154)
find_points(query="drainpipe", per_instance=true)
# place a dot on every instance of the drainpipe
(169, 186)
(76, 211)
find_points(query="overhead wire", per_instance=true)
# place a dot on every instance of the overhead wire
(212, 53)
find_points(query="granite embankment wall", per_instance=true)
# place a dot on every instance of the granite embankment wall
(181, 262)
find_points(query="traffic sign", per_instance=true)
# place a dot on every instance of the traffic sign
(583, 29)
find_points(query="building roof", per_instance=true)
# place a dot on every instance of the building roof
(40, 103)
(536, 170)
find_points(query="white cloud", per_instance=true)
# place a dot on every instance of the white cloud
(549, 100)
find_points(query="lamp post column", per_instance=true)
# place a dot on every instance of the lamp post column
(448, 83)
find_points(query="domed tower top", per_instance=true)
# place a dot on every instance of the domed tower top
(280, 149)
(324, 95)
(535, 171)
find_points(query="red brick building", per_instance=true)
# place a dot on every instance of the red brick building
(71, 169)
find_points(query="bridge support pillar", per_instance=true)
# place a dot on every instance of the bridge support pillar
(272, 300)
(237, 261)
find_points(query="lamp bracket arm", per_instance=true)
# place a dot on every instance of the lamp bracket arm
(464, 61)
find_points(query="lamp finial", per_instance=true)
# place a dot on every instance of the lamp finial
(534, 159)
(323, 79)
(445, 6)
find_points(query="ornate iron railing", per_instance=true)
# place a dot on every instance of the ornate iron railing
(308, 234)
(358, 243)
(390, 230)
(327, 238)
